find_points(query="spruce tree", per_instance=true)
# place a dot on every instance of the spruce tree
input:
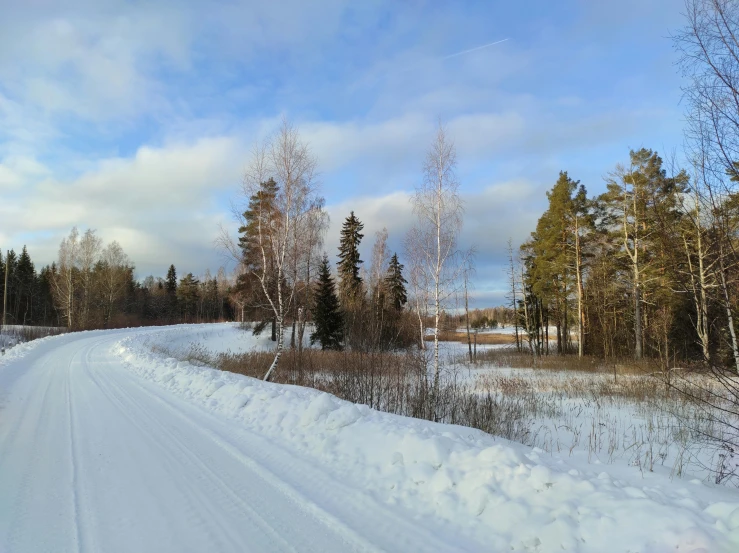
(395, 283)
(171, 281)
(26, 284)
(349, 261)
(11, 265)
(326, 313)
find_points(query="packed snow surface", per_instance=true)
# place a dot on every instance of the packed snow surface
(106, 446)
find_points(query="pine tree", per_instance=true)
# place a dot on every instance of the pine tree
(349, 261)
(261, 221)
(640, 209)
(395, 283)
(260, 218)
(551, 260)
(326, 313)
(188, 294)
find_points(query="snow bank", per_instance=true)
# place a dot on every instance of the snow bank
(15, 351)
(216, 338)
(506, 496)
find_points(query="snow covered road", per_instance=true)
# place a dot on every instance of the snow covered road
(93, 458)
(107, 446)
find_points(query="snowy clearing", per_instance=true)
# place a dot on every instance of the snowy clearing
(105, 446)
(633, 423)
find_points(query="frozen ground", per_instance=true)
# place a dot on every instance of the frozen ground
(105, 446)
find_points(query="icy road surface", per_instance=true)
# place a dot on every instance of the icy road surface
(95, 459)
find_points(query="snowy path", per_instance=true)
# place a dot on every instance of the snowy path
(93, 458)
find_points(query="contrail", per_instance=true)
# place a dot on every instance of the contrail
(473, 49)
(432, 60)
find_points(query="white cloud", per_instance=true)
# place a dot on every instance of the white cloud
(494, 214)
(135, 118)
(161, 203)
(16, 170)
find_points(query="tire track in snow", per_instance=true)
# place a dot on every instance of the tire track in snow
(195, 503)
(27, 423)
(177, 444)
(415, 538)
(73, 455)
(170, 434)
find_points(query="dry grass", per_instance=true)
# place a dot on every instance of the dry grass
(394, 382)
(510, 358)
(482, 339)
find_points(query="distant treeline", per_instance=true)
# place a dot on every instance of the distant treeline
(90, 286)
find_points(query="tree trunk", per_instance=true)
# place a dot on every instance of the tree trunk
(580, 313)
(278, 350)
(637, 316)
(301, 329)
(5, 290)
(729, 315)
(467, 318)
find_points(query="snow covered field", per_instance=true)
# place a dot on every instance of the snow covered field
(107, 446)
(575, 414)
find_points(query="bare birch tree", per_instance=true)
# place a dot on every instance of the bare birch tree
(116, 268)
(89, 252)
(419, 292)
(511, 273)
(432, 241)
(63, 285)
(709, 48)
(286, 159)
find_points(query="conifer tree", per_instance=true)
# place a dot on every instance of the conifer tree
(188, 294)
(395, 283)
(550, 257)
(171, 281)
(326, 313)
(25, 281)
(348, 267)
(11, 266)
(260, 224)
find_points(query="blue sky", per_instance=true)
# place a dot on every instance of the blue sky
(136, 118)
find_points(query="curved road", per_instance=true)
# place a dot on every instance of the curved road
(94, 459)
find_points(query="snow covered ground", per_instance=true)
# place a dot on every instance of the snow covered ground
(12, 335)
(604, 430)
(106, 446)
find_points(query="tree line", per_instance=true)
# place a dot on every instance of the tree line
(648, 269)
(92, 285)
